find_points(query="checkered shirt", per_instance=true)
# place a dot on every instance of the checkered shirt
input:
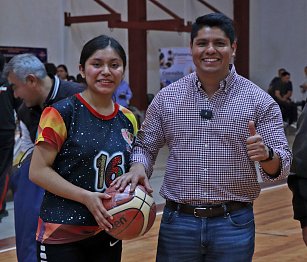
(208, 161)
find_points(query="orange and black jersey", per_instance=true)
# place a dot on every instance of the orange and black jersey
(93, 150)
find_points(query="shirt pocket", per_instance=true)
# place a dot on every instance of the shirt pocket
(232, 128)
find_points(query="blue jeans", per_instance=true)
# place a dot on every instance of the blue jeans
(186, 238)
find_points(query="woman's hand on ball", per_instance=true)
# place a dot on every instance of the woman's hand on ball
(93, 202)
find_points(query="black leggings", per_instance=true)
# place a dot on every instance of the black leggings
(101, 247)
(289, 111)
(6, 159)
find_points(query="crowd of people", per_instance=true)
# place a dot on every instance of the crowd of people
(81, 138)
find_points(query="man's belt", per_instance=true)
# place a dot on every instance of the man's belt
(207, 210)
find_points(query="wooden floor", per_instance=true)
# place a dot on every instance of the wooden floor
(278, 236)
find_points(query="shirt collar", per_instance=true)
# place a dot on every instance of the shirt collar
(230, 78)
(53, 92)
(225, 84)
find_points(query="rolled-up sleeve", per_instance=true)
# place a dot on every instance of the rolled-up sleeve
(271, 128)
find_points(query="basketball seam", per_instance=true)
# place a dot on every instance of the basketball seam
(139, 209)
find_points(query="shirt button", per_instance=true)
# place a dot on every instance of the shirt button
(206, 145)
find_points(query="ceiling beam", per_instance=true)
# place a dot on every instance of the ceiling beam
(165, 9)
(89, 18)
(105, 6)
(209, 6)
(114, 20)
(159, 25)
(137, 26)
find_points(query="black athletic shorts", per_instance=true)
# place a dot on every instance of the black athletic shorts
(101, 247)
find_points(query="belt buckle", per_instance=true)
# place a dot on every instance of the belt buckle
(198, 208)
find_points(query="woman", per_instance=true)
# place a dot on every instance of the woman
(62, 72)
(83, 144)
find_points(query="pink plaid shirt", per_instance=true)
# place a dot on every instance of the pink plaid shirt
(208, 161)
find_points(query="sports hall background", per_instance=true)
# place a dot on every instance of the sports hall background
(277, 32)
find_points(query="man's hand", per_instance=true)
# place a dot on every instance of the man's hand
(256, 149)
(135, 176)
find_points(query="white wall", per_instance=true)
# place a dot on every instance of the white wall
(278, 32)
(278, 38)
(33, 24)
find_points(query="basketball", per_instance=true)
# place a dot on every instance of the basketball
(133, 213)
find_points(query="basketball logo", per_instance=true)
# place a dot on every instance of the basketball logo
(133, 213)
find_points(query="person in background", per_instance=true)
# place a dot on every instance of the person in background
(303, 89)
(51, 69)
(219, 128)
(283, 95)
(62, 72)
(80, 79)
(297, 181)
(274, 81)
(8, 107)
(277, 78)
(71, 78)
(28, 78)
(84, 143)
(123, 94)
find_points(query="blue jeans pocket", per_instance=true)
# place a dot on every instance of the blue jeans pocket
(242, 218)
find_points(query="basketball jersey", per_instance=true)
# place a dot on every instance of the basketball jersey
(93, 150)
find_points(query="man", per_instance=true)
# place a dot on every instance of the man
(30, 82)
(8, 106)
(218, 126)
(303, 89)
(282, 94)
(297, 181)
(275, 80)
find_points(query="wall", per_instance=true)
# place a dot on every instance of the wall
(278, 38)
(33, 24)
(278, 32)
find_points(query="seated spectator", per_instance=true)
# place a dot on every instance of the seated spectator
(275, 80)
(303, 88)
(282, 92)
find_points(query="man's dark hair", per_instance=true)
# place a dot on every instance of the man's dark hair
(284, 74)
(50, 68)
(214, 20)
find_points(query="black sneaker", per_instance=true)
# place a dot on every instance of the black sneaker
(3, 213)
